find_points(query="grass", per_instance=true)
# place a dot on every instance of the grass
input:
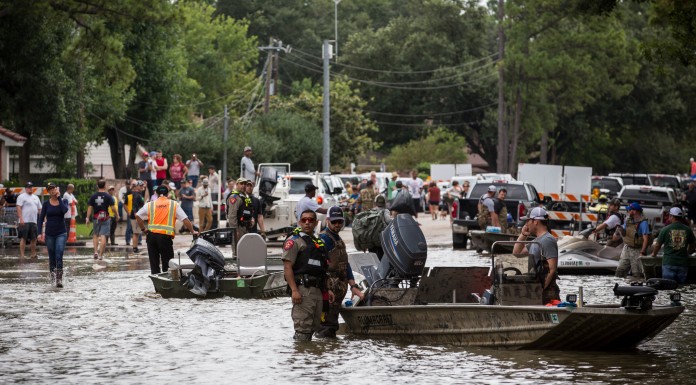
(83, 231)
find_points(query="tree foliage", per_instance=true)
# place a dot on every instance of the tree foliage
(440, 146)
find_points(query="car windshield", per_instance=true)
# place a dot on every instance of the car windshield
(635, 179)
(645, 195)
(514, 191)
(664, 181)
(609, 184)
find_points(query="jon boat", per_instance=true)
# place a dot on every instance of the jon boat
(208, 277)
(497, 306)
(483, 241)
(653, 268)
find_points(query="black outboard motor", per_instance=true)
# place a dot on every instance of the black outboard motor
(267, 185)
(405, 251)
(210, 266)
(640, 296)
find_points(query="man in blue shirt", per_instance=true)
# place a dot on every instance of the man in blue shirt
(636, 242)
(340, 274)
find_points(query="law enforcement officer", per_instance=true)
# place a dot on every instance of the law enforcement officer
(304, 264)
(340, 274)
(161, 215)
(238, 212)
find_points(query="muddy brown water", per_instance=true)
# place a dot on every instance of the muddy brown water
(108, 326)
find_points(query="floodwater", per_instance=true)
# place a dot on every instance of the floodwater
(108, 326)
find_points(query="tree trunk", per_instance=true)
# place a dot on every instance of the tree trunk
(80, 164)
(543, 151)
(25, 161)
(117, 158)
(501, 159)
(132, 167)
(514, 140)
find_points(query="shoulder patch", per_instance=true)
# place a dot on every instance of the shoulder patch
(288, 244)
(233, 200)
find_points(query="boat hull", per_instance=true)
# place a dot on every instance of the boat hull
(482, 240)
(512, 327)
(261, 286)
(653, 268)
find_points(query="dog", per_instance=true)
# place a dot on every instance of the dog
(443, 212)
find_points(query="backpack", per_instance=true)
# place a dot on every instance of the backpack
(367, 227)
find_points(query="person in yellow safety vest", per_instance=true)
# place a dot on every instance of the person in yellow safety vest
(602, 205)
(161, 215)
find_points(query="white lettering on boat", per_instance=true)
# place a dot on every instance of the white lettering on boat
(377, 319)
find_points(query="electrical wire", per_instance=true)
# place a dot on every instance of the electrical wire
(201, 103)
(294, 49)
(427, 115)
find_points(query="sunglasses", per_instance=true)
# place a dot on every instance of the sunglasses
(336, 221)
(307, 220)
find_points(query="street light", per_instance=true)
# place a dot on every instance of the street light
(336, 25)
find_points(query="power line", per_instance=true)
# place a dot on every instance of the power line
(433, 124)
(294, 49)
(427, 115)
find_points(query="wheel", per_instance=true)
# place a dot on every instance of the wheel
(459, 241)
(559, 206)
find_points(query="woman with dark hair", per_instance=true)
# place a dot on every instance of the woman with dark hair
(177, 171)
(433, 199)
(56, 234)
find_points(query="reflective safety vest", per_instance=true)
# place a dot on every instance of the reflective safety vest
(161, 216)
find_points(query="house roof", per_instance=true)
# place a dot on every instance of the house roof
(11, 138)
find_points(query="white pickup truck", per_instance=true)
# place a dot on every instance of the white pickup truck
(655, 201)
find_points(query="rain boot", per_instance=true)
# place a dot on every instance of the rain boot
(59, 278)
(53, 278)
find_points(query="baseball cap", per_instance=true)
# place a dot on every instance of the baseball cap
(162, 189)
(172, 185)
(112, 187)
(380, 201)
(634, 206)
(335, 213)
(51, 186)
(153, 153)
(241, 180)
(399, 184)
(205, 181)
(29, 184)
(247, 148)
(536, 213)
(492, 188)
(310, 187)
(146, 154)
(676, 212)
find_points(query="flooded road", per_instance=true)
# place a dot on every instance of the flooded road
(108, 326)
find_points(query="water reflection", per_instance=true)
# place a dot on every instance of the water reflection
(109, 326)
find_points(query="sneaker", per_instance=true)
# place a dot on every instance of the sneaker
(96, 256)
(100, 257)
(135, 250)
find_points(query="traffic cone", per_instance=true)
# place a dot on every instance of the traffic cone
(72, 234)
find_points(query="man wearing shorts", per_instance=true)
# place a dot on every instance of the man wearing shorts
(98, 211)
(28, 209)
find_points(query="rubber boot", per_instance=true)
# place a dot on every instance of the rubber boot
(302, 336)
(59, 278)
(53, 278)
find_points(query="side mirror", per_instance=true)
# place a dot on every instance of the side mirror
(337, 191)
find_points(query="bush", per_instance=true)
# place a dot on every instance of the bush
(84, 188)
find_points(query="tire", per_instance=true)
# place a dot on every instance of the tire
(459, 241)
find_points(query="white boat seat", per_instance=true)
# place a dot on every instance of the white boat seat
(251, 255)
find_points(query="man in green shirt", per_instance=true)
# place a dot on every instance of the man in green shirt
(679, 241)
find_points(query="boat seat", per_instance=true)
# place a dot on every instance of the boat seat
(634, 291)
(251, 255)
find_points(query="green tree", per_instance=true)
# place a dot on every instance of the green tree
(440, 146)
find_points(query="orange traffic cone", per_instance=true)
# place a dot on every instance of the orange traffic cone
(72, 234)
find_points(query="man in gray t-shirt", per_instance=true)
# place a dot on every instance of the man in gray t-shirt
(546, 256)
(194, 170)
(187, 195)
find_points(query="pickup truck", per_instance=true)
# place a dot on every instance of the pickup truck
(655, 201)
(521, 196)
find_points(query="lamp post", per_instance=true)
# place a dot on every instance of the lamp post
(336, 27)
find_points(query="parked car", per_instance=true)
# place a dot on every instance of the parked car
(655, 201)
(629, 178)
(607, 185)
(666, 180)
(352, 178)
(383, 179)
(521, 197)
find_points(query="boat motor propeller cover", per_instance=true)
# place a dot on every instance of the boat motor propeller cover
(267, 184)
(405, 248)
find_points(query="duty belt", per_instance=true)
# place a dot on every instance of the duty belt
(310, 281)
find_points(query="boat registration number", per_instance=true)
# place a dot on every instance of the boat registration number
(376, 319)
(574, 263)
(542, 317)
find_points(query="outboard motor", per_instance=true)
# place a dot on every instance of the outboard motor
(267, 185)
(641, 296)
(405, 251)
(209, 266)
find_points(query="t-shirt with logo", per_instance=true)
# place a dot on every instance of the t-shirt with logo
(675, 239)
(101, 201)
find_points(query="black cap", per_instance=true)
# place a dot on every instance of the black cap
(335, 213)
(50, 186)
(29, 184)
(162, 190)
(310, 187)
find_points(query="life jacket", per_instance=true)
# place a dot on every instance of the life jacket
(311, 260)
(632, 238)
(338, 257)
(162, 216)
(611, 232)
(245, 208)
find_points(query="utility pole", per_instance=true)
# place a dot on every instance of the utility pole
(269, 66)
(224, 142)
(326, 153)
(501, 160)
